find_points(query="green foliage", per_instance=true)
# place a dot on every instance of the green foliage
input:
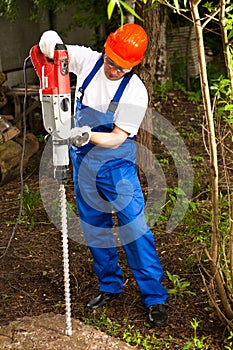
(41, 138)
(132, 335)
(222, 90)
(104, 322)
(60, 304)
(161, 91)
(178, 69)
(151, 216)
(8, 9)
(39, 6)
(4, 296)
(229, 346)
(229, 20)
(194, 94)
(172, 194)
(180, 286)
(30, 203)
(120, 4)
(208, 5)
(128, 332)
(93, 15)
(195, 343)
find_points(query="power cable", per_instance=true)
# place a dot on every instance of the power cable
(21, 162)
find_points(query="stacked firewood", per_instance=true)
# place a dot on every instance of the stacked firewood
(3, 89)
(7, 130)
(12, 138)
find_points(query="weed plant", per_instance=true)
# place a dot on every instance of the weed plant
(31, 202)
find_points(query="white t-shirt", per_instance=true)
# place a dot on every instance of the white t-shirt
(98, 94)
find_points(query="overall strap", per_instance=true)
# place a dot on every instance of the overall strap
(114, 103)
(88, 79)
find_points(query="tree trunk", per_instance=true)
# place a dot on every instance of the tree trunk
(146, 70)
(226, 43)
(162, 73)
(229, 67)
(211, 128)
(129, 18)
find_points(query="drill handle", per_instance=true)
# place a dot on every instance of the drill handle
(42, 66)
(53, 74)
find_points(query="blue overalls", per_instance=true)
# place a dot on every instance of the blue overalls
(105, 180)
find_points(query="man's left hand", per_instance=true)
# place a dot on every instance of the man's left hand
(80, 136)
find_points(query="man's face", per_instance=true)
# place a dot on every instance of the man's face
(112, 70)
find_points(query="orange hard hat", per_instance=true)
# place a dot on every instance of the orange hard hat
(127, 45)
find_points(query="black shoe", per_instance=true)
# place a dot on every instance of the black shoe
(101, 300)
(158, 315)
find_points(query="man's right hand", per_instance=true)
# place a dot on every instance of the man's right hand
(48, 41)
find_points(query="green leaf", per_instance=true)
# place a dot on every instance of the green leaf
(177, 6)
(128, 8)
(122, 14)
(185, 285)
(169, 275)
(230, 35)
(110, 9)
(209, 6)
(229, 8)
(228, 107)
(172, 291)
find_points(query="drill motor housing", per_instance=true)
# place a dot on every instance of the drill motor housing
(55, 98)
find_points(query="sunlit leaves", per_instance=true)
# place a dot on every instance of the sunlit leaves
(128, 8)
(8, 9)
(110, 9)
(121, 4)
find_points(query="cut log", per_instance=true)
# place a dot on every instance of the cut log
(17, 95)
(7, 130)
(8, 116)
(3, 78)
(10, 157)
(3, 99)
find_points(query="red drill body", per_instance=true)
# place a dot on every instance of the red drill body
(53, 75)
(56, 102)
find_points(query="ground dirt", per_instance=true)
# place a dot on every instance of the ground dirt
(32, 312)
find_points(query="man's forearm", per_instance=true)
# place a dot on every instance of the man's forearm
(109, 140)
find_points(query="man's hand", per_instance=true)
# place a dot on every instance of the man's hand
(80, 136)
(48, 41)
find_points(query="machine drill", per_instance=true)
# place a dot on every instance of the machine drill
(55, 99)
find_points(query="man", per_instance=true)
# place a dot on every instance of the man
(112, 101)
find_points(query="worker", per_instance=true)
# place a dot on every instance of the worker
(112, 100)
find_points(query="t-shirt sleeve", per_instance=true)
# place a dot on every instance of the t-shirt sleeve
(132, 107)
(81, 58)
